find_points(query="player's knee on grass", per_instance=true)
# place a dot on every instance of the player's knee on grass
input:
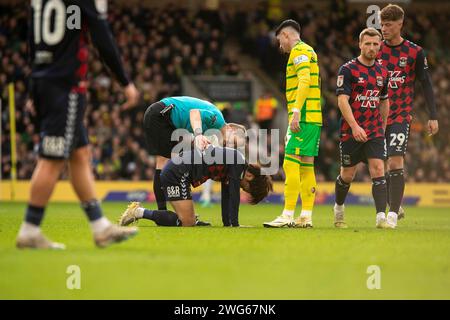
(185, 212)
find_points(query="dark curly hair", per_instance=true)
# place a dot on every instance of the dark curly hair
(260, 185)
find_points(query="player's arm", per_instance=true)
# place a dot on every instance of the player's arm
(302, 69)
(102, 38)
(230, 202)
(343, 91)
(425, 80)
(384, 103)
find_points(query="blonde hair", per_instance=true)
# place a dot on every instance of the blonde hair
(371, 32)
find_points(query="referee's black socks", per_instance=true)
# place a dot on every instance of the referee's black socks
(159, 194)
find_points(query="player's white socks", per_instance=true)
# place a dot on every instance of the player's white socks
(288, 213)
(100, 225)
(29, 230)
(392, 218)
(306, 214)
(339, 208)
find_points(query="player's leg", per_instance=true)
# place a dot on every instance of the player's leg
(309, 148)
(351, 153)
(135, 212)
(51, 101)
(43, 181)
(185, 212)
(397, 141)
(291, 167)
(375, 151)
(292, 184)
(82, 179)
(341, 188)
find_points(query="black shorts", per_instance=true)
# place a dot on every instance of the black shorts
(353, 152)
(175, 182)
(60, 108)
(397, 135)
(158, 130)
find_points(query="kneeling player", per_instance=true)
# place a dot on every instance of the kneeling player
(216, 163)
(363, 101)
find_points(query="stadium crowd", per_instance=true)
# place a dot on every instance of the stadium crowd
(427, 159)
(158, 46)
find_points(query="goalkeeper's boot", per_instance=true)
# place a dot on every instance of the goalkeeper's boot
(37, 241)
(131, 214)
(303, 222)
(199, 223)
(401, 213)
(391, 221)
(279, 222)
(114, 234)
(381, 221)
(339, 217)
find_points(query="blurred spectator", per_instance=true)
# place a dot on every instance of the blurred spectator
(265, 110)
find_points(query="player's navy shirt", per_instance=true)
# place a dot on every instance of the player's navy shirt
(59, 45)
(405, 62)
(226, 165)
(366, 86)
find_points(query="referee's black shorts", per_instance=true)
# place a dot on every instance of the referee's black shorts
(158, 130)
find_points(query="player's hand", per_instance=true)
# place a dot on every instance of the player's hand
(359, 134)
(201, 142)
(433, 127)
(295, 122)
(132, 95)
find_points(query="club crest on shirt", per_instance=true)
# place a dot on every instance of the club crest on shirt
(340, 81)
(402, 62)
(380, 61)
(379, 81)
(360, 80)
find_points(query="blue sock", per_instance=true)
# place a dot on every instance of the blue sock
(34, 215)
(92, 209)
(148, 214)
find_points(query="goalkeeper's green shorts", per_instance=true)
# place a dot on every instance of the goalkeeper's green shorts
(305, 142)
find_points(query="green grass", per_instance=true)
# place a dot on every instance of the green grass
(232, 263)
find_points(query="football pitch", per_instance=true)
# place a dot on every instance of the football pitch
(232, 263)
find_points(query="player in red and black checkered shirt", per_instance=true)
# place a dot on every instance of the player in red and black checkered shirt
(363, 101)
(405, 62)
(226, 165)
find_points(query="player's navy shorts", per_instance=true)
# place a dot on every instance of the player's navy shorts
(353, 152)
(60, 108)
(175, 182)
(397, 135)
(158, 130)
